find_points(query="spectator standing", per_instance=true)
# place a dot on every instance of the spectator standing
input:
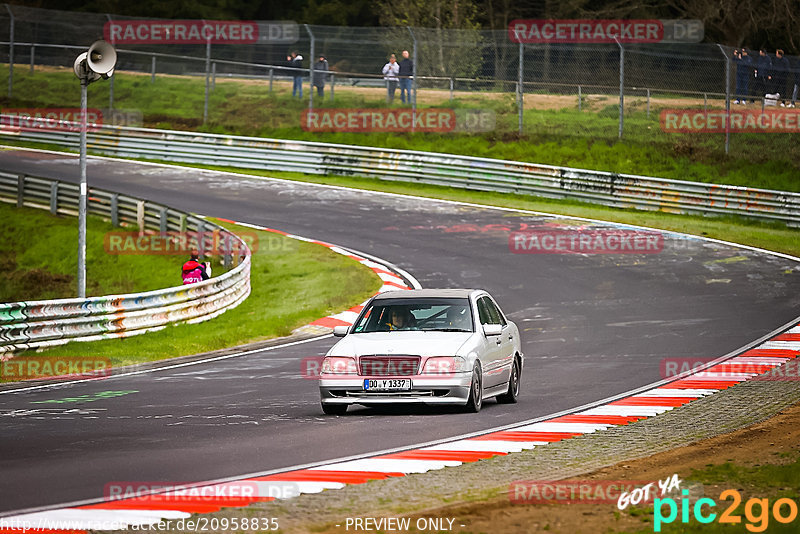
(780, 69)
(406, 75)
(390, 72)
(744, 71)
(320, 75)
(763, 74)
(296, 62)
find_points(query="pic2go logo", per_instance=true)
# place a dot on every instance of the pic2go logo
(756, 511)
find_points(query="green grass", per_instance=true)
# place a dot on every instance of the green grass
(770, 481)
(293, 283)
(567, 137)
(40, 259)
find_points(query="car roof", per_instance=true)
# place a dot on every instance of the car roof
(427, 293)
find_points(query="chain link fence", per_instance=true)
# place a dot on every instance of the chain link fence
(600, 91)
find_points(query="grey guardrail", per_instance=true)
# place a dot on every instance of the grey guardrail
(610, 189)
(38, 324)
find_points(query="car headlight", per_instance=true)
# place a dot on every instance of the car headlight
(444, 365)
(338, 365)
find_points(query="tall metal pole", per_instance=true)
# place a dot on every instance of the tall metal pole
(111, 81)
(621, 86)
(10, 51)
(520, 89)
(310, 71)
(413, 95)
(82, 195)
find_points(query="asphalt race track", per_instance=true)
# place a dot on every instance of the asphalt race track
(593, 326)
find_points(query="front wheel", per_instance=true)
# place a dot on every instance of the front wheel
(334, 409)
(512, 395)
(475, 400)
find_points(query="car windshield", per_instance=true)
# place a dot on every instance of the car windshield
(424, 314)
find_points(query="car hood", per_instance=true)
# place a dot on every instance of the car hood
(418, 343)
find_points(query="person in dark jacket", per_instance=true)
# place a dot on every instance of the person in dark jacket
(744, 71)
(193, 271)
(780, 73)
(406, 73)
(320, 75)
(763, 74)
(295, 61)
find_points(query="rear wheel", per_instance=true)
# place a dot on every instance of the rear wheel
(512, 395)
(334, 409)
(475, 400)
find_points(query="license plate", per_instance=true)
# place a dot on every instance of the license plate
(391, 384)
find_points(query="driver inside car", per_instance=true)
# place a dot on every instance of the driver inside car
(457, 318)
(400, 319)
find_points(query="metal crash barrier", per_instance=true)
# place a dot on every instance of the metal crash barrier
(46, 323)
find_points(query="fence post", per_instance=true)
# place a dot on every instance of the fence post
(213, 75)
(648, 103)
(33, 56)
(271, 76)
(114, 209)
(705, 101)
(310, 71)
(451, 88)
(413, 96)
(54, 198)
(621, 86)
(10, 51)
(208, 75)
(333, 84)
(520, 88)
(20, 190)
(728, 98)
(580, 97)
(153, 69)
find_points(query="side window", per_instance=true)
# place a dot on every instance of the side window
(495, 313)
(483, 311)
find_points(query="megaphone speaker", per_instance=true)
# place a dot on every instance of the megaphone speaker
(101, 57)
(82, 70)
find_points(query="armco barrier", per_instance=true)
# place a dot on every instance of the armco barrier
(37, 324)
(610, 189)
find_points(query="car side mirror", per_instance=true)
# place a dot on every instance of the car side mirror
(340, 331)
(492, 329)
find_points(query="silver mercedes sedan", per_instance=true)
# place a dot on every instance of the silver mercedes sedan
(426, 346)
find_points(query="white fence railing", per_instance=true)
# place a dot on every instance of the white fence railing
(39, 324)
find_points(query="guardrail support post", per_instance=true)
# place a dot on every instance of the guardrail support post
(54, 198)
(162, 221)
(20, 190)
(201, 238)
(140, 215)
(227, 259)
(182, 223)
(114, 209)
(153, 69)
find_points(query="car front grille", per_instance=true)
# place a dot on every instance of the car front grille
(380, 365)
